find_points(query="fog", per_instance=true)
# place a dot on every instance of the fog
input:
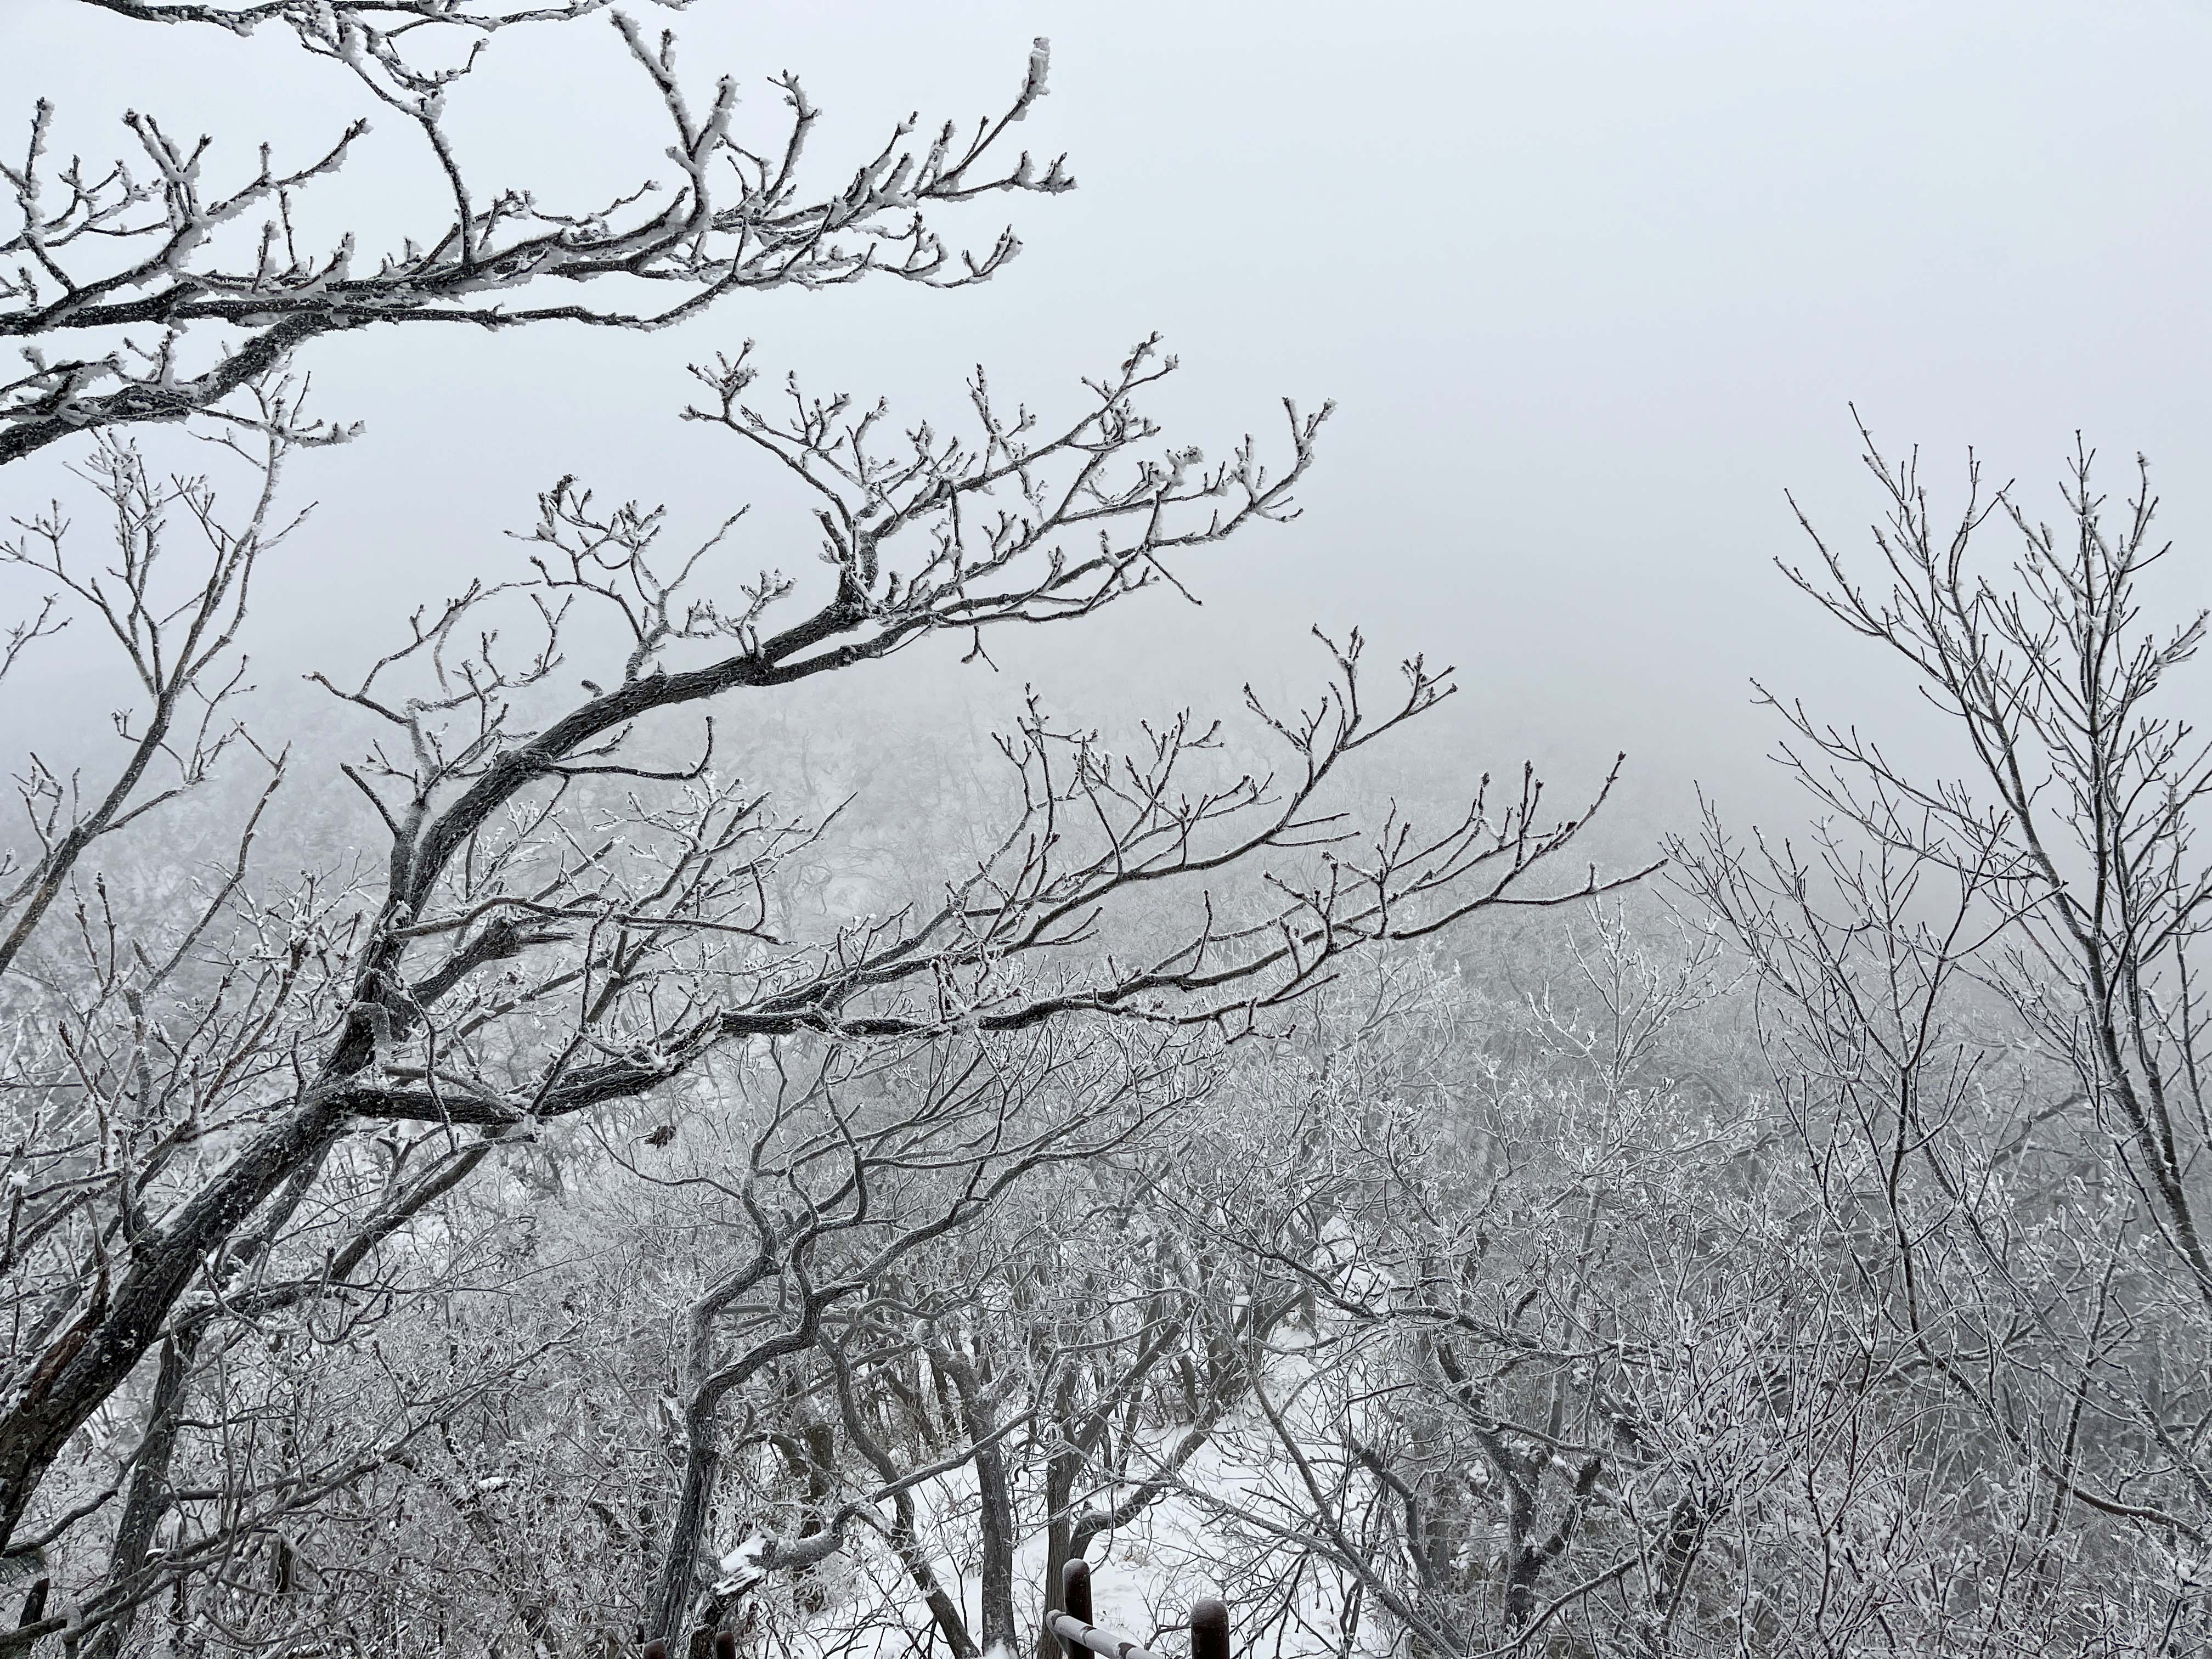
(743, 1098)
(1591, 287)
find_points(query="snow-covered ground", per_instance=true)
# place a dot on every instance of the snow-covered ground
(1146, 1576)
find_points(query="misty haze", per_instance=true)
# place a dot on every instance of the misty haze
(1137, 832)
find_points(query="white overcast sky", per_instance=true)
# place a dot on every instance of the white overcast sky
(1591, 284)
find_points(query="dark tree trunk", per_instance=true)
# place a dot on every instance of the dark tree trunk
(91, 1359)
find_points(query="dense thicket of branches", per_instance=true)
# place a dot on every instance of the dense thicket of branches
(264, 1130)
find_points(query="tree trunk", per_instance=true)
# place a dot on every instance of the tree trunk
(82, 1367)
(995, 1506)
(148, 1495)
(671, 1597)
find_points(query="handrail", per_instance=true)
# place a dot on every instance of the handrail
(1107, 1643)
(1071, 1622)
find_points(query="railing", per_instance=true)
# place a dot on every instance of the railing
(1209, 1624)
(1077, 1636)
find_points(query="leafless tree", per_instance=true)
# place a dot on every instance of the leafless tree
(177, 630)
(1983, 1019)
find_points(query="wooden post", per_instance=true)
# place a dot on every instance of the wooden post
(1209, 1630)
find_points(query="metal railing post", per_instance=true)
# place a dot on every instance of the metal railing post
(1209, 1630)
(1075, 1600)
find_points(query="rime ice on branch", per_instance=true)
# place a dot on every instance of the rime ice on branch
(111, 263)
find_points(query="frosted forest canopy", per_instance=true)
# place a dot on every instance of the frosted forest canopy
(594, 1128)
